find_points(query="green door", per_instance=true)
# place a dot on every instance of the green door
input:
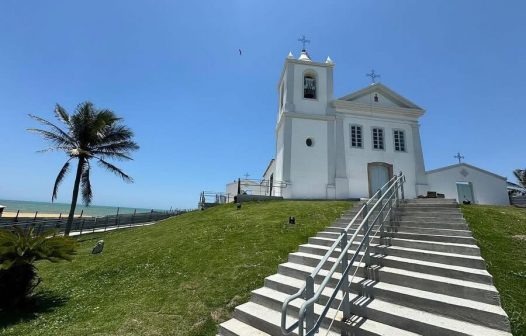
(465, 192)
(379, 175)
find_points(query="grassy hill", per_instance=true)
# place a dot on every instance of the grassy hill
(501, 235)
(179, 277)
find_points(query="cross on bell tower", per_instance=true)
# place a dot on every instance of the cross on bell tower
(304, 41)
(373, 76)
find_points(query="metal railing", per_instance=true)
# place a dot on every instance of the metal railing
(374, 213)
(82, 225)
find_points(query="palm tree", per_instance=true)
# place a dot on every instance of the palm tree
(90, 134)
(520, 174)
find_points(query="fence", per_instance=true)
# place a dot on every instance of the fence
(518, 200)
(82, 225)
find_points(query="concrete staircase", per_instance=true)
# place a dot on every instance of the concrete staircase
(427, 278)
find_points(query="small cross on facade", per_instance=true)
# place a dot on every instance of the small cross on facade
(373, 76)
(246, 176)
(459, 157)
(304, 41)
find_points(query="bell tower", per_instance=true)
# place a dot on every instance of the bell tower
(305, 130)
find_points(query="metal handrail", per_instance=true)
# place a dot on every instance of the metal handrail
(386, 193)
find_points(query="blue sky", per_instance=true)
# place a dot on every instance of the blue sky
(204, 115)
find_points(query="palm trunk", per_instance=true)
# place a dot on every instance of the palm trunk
(69, 224)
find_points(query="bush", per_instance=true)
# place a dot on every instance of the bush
(19, 250)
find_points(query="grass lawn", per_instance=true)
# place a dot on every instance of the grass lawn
(501, 234)
(179, 277)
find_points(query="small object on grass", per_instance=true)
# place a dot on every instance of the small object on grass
(466, 202)
(292, 220)
(238, 205)
(98, 248)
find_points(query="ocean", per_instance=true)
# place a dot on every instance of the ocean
(57, 208)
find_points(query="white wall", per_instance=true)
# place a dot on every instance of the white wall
(358, 158)
(309, 173)
(382, 100)
(487, 188)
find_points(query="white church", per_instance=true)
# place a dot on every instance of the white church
(348, 147)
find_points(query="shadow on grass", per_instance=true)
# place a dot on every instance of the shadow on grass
(40, 303)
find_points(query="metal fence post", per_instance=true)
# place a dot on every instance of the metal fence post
(381, 214)
(94, 225)
(402, 186)
(81, 226)
(309, 312)
(346, 304)
(366, 257)
(133, 217)
(117, 218)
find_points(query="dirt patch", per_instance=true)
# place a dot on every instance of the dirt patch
(520, 237)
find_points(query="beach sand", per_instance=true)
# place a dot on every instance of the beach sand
(9, 214)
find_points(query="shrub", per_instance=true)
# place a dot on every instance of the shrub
(19, 250)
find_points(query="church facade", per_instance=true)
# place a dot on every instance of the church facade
(342, 148)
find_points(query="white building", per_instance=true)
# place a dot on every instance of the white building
(469, 183)
(348, 147)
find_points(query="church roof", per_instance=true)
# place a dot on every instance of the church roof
(463, 164)
(384, 90)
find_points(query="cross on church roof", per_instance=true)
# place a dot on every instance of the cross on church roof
(459, 157)
(304, 41)
(373, 76)
(246, 176)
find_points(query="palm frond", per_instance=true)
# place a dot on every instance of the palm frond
(120, 146)
(55, 149)
(57, 139)
(115, 133)
(112, 155)
(520, 174)
(53, 126)
(87, 194)
(61, 114)
(59, 179)
(115, 170)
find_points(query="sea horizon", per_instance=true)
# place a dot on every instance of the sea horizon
(58, 208)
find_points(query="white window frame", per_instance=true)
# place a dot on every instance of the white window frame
(402, 143)
(360, 138)
(373, 128)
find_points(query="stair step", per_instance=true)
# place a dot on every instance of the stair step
(467, 249)
(401, 233)
(418, 321)
(269, 297)
(234, 327)
(267, 319)
(461, 225)
(432, 237)
(409, 253)
(411, 319)
(466, 310)
(420, 270)
(470, 261)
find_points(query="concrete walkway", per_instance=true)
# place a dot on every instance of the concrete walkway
(109, 228)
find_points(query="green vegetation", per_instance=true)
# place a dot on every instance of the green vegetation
(90, 134)
(501, 235)
(19, 250)
(179, 277)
